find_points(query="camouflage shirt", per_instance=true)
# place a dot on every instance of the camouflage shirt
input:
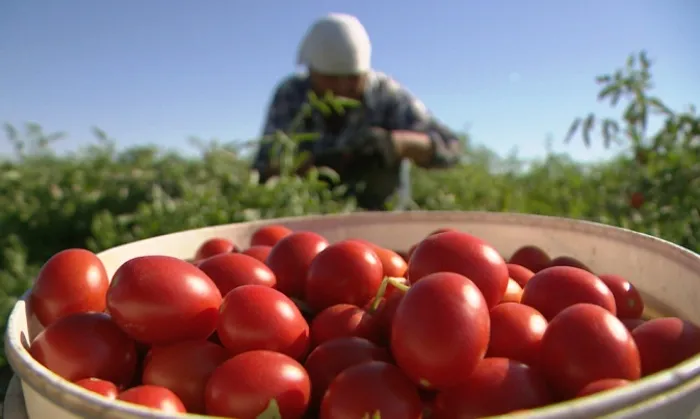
(386, 104)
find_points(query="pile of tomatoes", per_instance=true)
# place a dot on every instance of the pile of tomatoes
(296, 327)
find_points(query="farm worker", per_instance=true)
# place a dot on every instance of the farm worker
(366, 143)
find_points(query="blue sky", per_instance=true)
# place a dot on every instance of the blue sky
(160, 71)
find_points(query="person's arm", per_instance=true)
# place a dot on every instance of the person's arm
(417, 134)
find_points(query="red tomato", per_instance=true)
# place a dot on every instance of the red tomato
(440, 231)
(516, 333)
(410, 253)
(394, 264)
(530, 257)
(338, 321)
(184, 368)
(666, 342)
(628, 301)
(496, 387)
(290, 259)
(513, 293)
(602, 385)
(632, 324)
(347, 272)
(331, 358)
(586, 343)
(155, 397)
(636, 200)
(382, 317)
(404, 255)
(105, 352)
(519, 274)
(463, 254)
(101, 387)
(371, 388)
(231, 270)
(440, 330)
(213, 247)
(71, 281)
(258, 317)
(161, 299)
(243, 386)
(269, 235)
(258, 252)
(553, 289)
(569, 261)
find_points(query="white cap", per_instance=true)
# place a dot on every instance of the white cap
(336, 44)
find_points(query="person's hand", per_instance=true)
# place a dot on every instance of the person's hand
(376, 145)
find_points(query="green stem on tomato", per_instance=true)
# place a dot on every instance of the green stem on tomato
(272, 411)
(395, 282)
(398, 284)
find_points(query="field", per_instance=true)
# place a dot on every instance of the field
(102, 197)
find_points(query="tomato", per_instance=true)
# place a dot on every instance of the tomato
(258, 317)
(531, 257)
(403, 254)
(602, 385)
(636, 200)
(391, 289)
(394, 264)
(231, 270)
(184, 368)
(371, 388)
(243, 386)
(290, 259)
(381, 318)
(71, 281)
(347, 272)
(440, 231)
(569, 261)
(553, 289)
(463, 254)
(410, 253)
(516, 333)
(258, 252)
(586, 343)
(162, 299)
(496, 387)
(269, 235)
(101, 387)
(215, 246)
(513, 293)
(519, 274)
(632, 324)
(627, 298)
(155, 397)
(340, 320)
(440, 330)
(331, 358)
(666, 342)
(86, 345)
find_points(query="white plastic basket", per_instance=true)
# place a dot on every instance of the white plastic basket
(667, 275)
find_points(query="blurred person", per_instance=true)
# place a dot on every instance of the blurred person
(364, 145)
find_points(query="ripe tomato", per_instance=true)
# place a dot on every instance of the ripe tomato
(586, 343)
(569, 261)
(269, 235)
(215, 246)
(258, 317)
(105, 352)
(231, 270)
(371, 388)
(155, 397)
(513, 293)
(627, 299)
(441, 230)
(331, 358)
(243, 386)
(290, 259)
(71, 281)
(101, 387)
(184, 368)
(636, 200)
(338, 321)
(666, 342)
(393, 264)
(161, 299)
(381, 318)
(553, 289)
(440, 330)
(258, 252)
(496, 387)
(347, 272)
(463, 254)
(516, 333)
(530, 257)
(519, 274)
(632, 324)
(602, 385)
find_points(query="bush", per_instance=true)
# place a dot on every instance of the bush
(100, 197)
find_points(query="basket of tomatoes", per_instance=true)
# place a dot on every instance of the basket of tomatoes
(372, 315)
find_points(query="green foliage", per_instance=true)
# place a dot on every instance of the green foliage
(101, 197)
